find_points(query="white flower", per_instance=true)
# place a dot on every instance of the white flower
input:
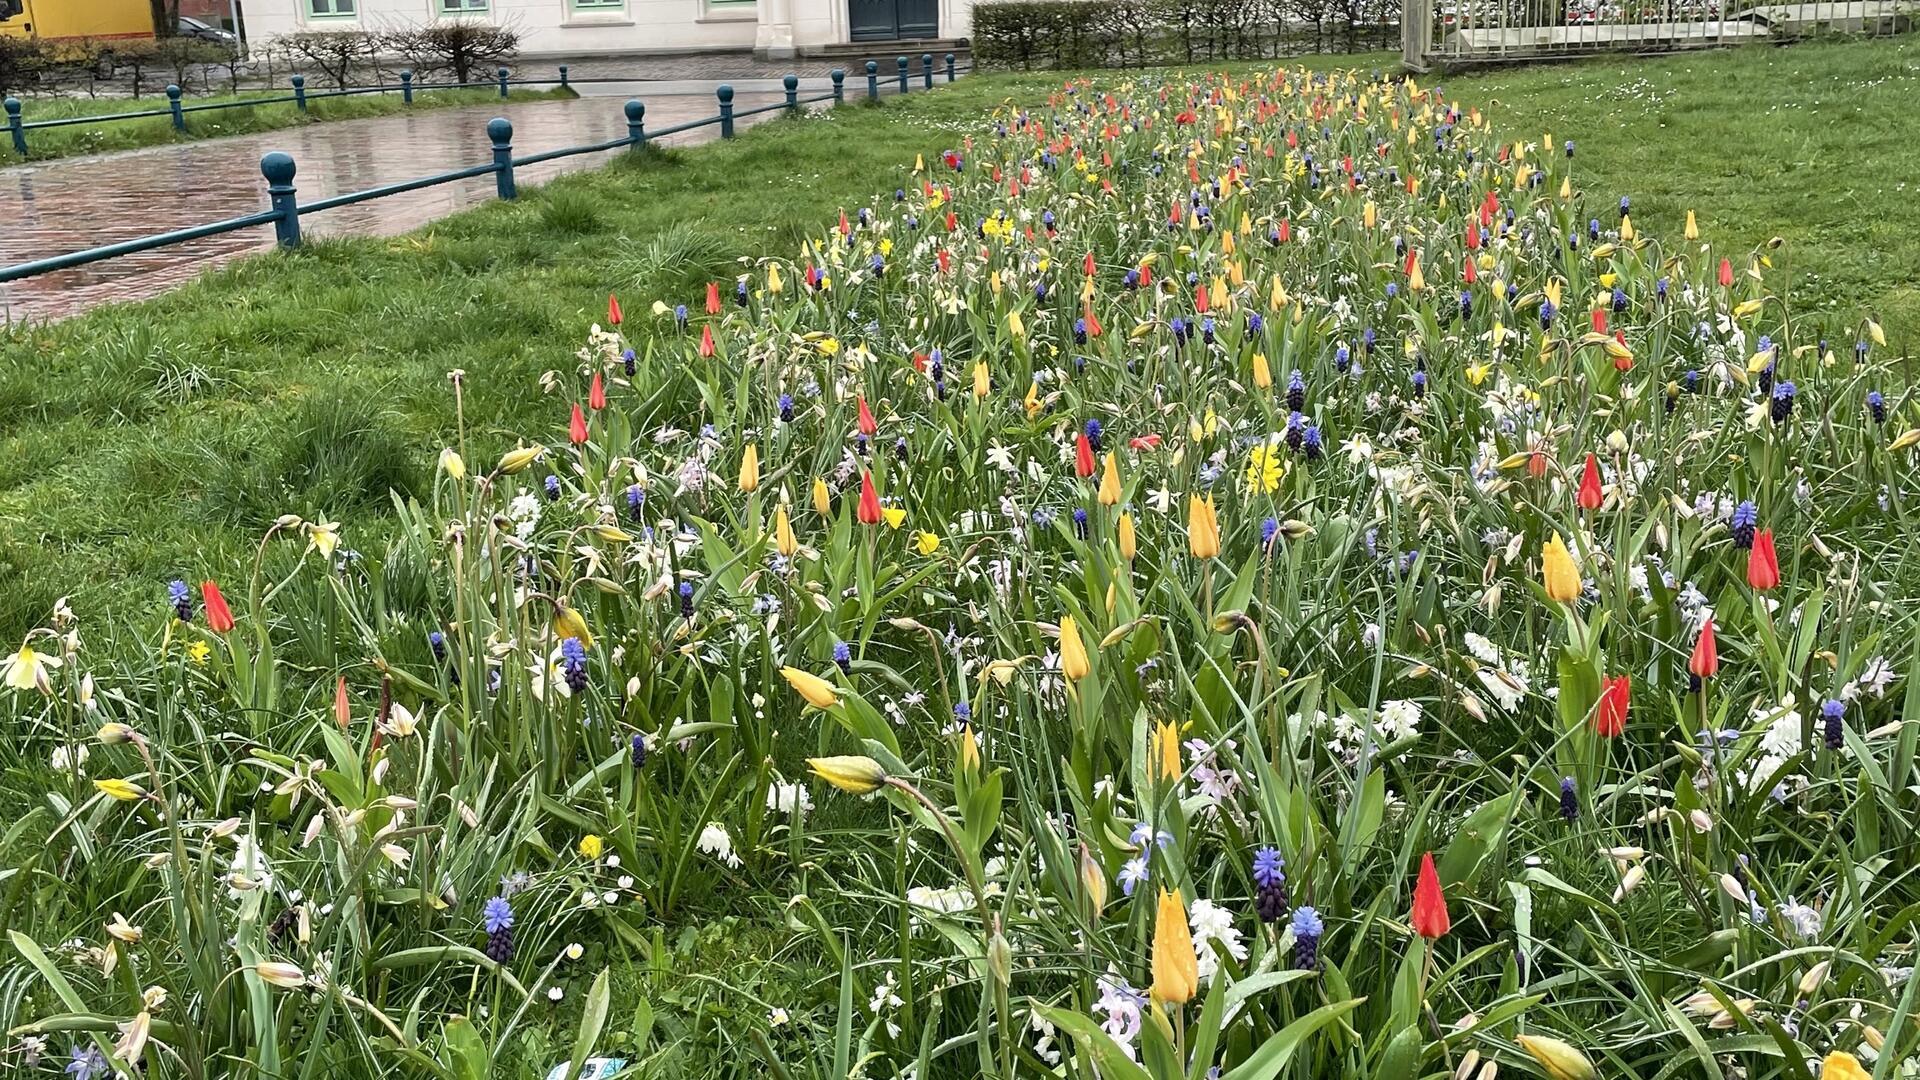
(555, 993)
(1482, 649)
(715, 841)
(1803, 920)
(1399, 719)
(1209, 923)
(70, 759)
(1506, 690)
(248, 869)
(789, 799)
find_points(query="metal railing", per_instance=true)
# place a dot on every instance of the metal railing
(285, 211)
(178, 105)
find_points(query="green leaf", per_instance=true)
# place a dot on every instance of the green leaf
(1274, 1054)
(1113, 1062)
(591, 1022)
(467, 1050)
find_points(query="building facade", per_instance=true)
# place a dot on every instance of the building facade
(774, 29)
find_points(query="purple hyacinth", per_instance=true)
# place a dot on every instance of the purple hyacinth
(1782, 408)
(182, 600)
(1569, 799)
(843, 657)
(1307, 930)
(1270, 899)
(497, 915)
(1831, 713)
(573, 664)
(1745, 517)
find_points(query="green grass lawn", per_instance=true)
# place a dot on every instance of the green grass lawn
(46, 143)
(152, 441)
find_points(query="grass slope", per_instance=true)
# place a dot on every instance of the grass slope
(152, 441)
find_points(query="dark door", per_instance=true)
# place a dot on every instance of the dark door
(886, 20)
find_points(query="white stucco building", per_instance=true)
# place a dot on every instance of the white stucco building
(775, 29)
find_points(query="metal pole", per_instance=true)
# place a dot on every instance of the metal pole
(902, 61)
(173, 105)
(300, 91)
(563, 77)
(949, 67)
(926, 69)
(406, 87)
(500, 130)
(278, 169)
(725, 94)
(503, 82)
(13, 126)
(839, 86)
(636, 122)
(873, 80)
(792, 83)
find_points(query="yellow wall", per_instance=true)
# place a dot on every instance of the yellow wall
(83, 18)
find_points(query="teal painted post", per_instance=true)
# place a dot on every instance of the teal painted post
(173, 106)
(563, 77)
(903, 74)
(406, 88)
(13, 126)
(839, 86)
(725, 94)
(873, 80)
(792, 84)
(926, 68)
(300, 92)
(503, 82)
(636, 122)
(278, 169)
(500, 130)
(949, 67)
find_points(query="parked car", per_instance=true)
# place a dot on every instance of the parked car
(194, 28)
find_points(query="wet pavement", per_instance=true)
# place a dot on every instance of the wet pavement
(76, 203)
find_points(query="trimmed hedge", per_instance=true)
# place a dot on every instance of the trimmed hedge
(1140, 33)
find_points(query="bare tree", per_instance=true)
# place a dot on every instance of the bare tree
(458, 48)
(336, 53)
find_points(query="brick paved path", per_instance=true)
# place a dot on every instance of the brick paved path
(76, 203)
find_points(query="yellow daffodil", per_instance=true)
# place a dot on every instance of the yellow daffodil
(198, 651)
(1562, 579)
(851, 774)
(1561, 1061)
(591, 846)
(324, 537)
(818, 692)
(927, 543)
(123, 790)
(894, 516)
(1176, 975)
(1841, 1065)
(29, 669)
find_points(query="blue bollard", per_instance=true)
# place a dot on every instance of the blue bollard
(173, 105)
(725, 94)
(563, 77)
(873, 80)
(636, 122)
(500, 130)
(926, 68)
(300, 92)
(503, 82)
(903, 74)
(792, 83)
(406, 88)
(839, 86)
(278, 169)
(13, 126)
(949, 67)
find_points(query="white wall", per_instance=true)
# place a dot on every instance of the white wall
(556, 28)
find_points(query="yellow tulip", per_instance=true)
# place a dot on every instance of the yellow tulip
(515, 460)
(1015, 326)
(982, 379)
(852, 774)
(1164, 754)
(451, 462)
(819, 692)
(1905, 440)
(783, 539)
(1203, 528)
(750, 468)
(1626, 229)
(969, 750)
(1369, 216)
(1262, 374)
(1176, 975)
(773, 278)
(1841, 1065)
(1093, 878)
(1692, 231)
(1557, 569)
(1073, 651)
(1110, 483)
(1127, 544)
(279, 974)
(822, 499)
(567, 623)
(1561, 1061)
(123, 790)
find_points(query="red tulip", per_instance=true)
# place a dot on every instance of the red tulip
(1082, 456)
(1200, 298)
(1473, 237)
(1094, 329)
(1144, 442)
(1726, 273)
(1430, 919)
(613, 310)
(1611, 718)
(1087, 264)
(1599, 320)
(597, 393)
(844, 227)
(1590, 496)
(866, 424)
(869, 509)
(706, 341)
(219, 618)
(1536, 464)
(1705, 661)
(713, 298)
(1286, 226)
(577, 426)
(1763, 566)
